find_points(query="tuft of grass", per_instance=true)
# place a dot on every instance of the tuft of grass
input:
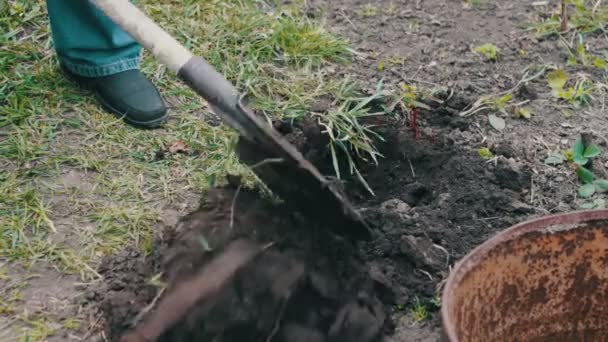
(419, 311)
(38, 329)
(368, 10)
(349, 137)
(24, 219)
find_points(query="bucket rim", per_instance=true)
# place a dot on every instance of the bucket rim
(471, 259)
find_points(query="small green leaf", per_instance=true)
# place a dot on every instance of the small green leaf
(600, 203)
(579, 148)
(485, 153)
(585, 175)
(554, 159)
(591, 151)
(505, 99)
(599, 63)
(586, 190)
(569, 155)
(581, 161)
(602, 184)
(381, 65)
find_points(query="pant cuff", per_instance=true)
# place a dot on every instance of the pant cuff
(87, 70)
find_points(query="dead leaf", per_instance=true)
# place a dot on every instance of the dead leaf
(496, 122)
(178, 146)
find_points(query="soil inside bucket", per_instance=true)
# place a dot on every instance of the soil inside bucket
(433, 203)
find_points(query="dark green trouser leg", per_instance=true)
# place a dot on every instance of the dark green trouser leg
(87, 42)
(99, 54)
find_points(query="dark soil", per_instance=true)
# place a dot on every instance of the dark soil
(435, 198)
(433, 203)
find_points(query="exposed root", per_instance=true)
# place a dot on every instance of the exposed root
(277, 323)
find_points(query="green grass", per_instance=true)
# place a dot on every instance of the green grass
(584, 18)
(419, 311)
(50, 128)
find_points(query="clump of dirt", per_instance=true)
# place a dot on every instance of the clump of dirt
(306, 286)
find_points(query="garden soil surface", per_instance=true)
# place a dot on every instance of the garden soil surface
(435, 198)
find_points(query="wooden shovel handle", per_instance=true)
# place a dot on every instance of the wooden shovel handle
(175, 305)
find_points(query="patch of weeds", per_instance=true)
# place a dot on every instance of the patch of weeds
(497, 104)
(38, 329)
(11, 297)
(419, 311)
(301, 41)
(579, 94)
(582, 57)
(24, 219)
(502, 100)
(504, 104)
(489, 51)
(72, 323)
(409, 97)
(582, 16)
(368, 10)
(581, 157)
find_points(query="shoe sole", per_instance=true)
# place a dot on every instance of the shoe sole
(156, 123)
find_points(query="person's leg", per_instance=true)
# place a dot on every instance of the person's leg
(96, 53)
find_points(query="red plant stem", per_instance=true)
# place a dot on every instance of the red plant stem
(414, 123)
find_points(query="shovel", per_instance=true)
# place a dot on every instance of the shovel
(271, 157)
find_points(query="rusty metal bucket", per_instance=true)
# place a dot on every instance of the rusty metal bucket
(541, 280)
